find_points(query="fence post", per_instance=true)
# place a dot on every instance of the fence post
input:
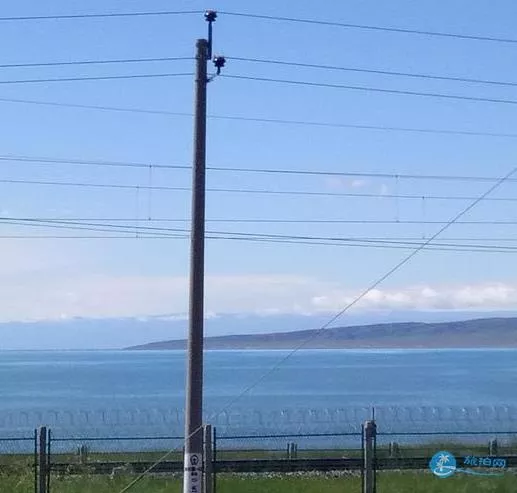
(214, 461)
(362, 455)
(42, 460)
(394, 450)
(49, 456)
(36, 461)
(370, 432)
(492, 447)
(207, 453)
(292, 450)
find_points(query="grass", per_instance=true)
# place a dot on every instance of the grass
(387, 483)
(16, 474)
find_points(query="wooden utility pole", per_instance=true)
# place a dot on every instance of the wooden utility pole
(193, 460)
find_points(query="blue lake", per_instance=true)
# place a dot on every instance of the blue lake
(124, 393)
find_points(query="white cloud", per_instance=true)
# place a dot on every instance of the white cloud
(45, 281)
(104, 296)
(462, 297)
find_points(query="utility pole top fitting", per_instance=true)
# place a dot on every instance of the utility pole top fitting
(219, 62)
(210, 15)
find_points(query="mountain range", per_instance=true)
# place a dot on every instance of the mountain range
(478, 333)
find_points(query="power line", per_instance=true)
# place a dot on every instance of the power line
(270, 236)
(417, 222)
(28, 221)
(402, 176)
(471, 37)
(94, 107)
(272, 80)
(359, 126)
(93, 62)
(169, 233)
(360, 221)
(96, 185)
(372, 89)
(68, 225)
(401, 246)
(262, 61)
(76, 237)
(97, 16)
(137, 236)
(234, 169)
(277, 121)
(252, 191)
(367, 221)
(373, 71)
(140, 221)
(258, 60)
(99, 77)
(85, 162)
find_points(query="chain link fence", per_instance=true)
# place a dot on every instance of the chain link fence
(426, 444)
(114, 455)
(289, 446)
(478, 459)
(87, 458)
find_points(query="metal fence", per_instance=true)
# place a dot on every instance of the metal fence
(287, 452)
(48, 457)
(287, 445)
(246, 453)
(460, 443)
(114, 455)
(478, 456)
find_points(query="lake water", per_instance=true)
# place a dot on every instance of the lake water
(127, 393)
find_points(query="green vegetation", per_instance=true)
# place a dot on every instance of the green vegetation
(409, 482)
(17, 475)
(15, 462)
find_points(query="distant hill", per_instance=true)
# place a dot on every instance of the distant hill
(480, 333)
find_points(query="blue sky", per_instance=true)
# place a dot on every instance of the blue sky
(46, 279)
